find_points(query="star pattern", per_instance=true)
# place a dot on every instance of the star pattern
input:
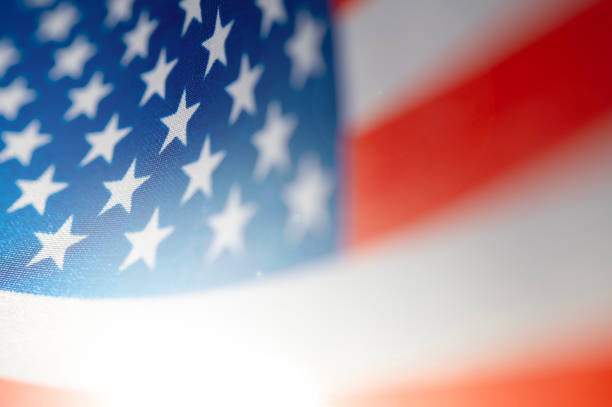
(304, 49)
(118, 11)
(272, 142)
(242, 90)
(56, 24)
(216, 43)
(307, 198)
(146, 242)
(9, 56)
(272, 11)
(71, 60)
(106, 153)
(14, 96)
(200, 172)
(192, 12)
(37, 192)
(228, 226)
(54, 245)
(21, 145)
(177, 122)
(156, 78)
(123, 190)
(137, 40)
(103, 143)
(85, 100)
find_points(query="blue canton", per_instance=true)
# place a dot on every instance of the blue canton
(151, 147)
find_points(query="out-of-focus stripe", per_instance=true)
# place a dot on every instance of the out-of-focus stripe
(341, 6)
(395, 52)
(427, 156)
(584, 382)
(15, 394)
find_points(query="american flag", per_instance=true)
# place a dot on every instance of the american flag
(317, 203)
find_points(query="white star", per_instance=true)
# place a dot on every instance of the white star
(103, 142)
(71, 60)
(228, 226)
(200, 172)
(118, 11)
(36, 192)
(304, 49)
(14, 96)
(242, 90)
(137, 40)
(56, 24)
(192, 12)
(146, 242)
(54, 245)
(272, 142)
(156, 78)
(122, 190)
(21, 145)
(85, 100)
(177, 122)
(9, 56)
(273, 11)
(307, 198)
(216, 43)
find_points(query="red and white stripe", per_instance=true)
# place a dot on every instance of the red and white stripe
(477, 268)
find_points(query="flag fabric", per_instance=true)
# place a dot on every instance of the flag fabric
(356, 203)
(119, 123)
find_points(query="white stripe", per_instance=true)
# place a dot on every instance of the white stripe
(522, 267)
(393, 52)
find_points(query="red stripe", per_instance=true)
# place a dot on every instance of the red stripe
(16, 394)
(344, 5)
(586, 384)
(425, 157)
